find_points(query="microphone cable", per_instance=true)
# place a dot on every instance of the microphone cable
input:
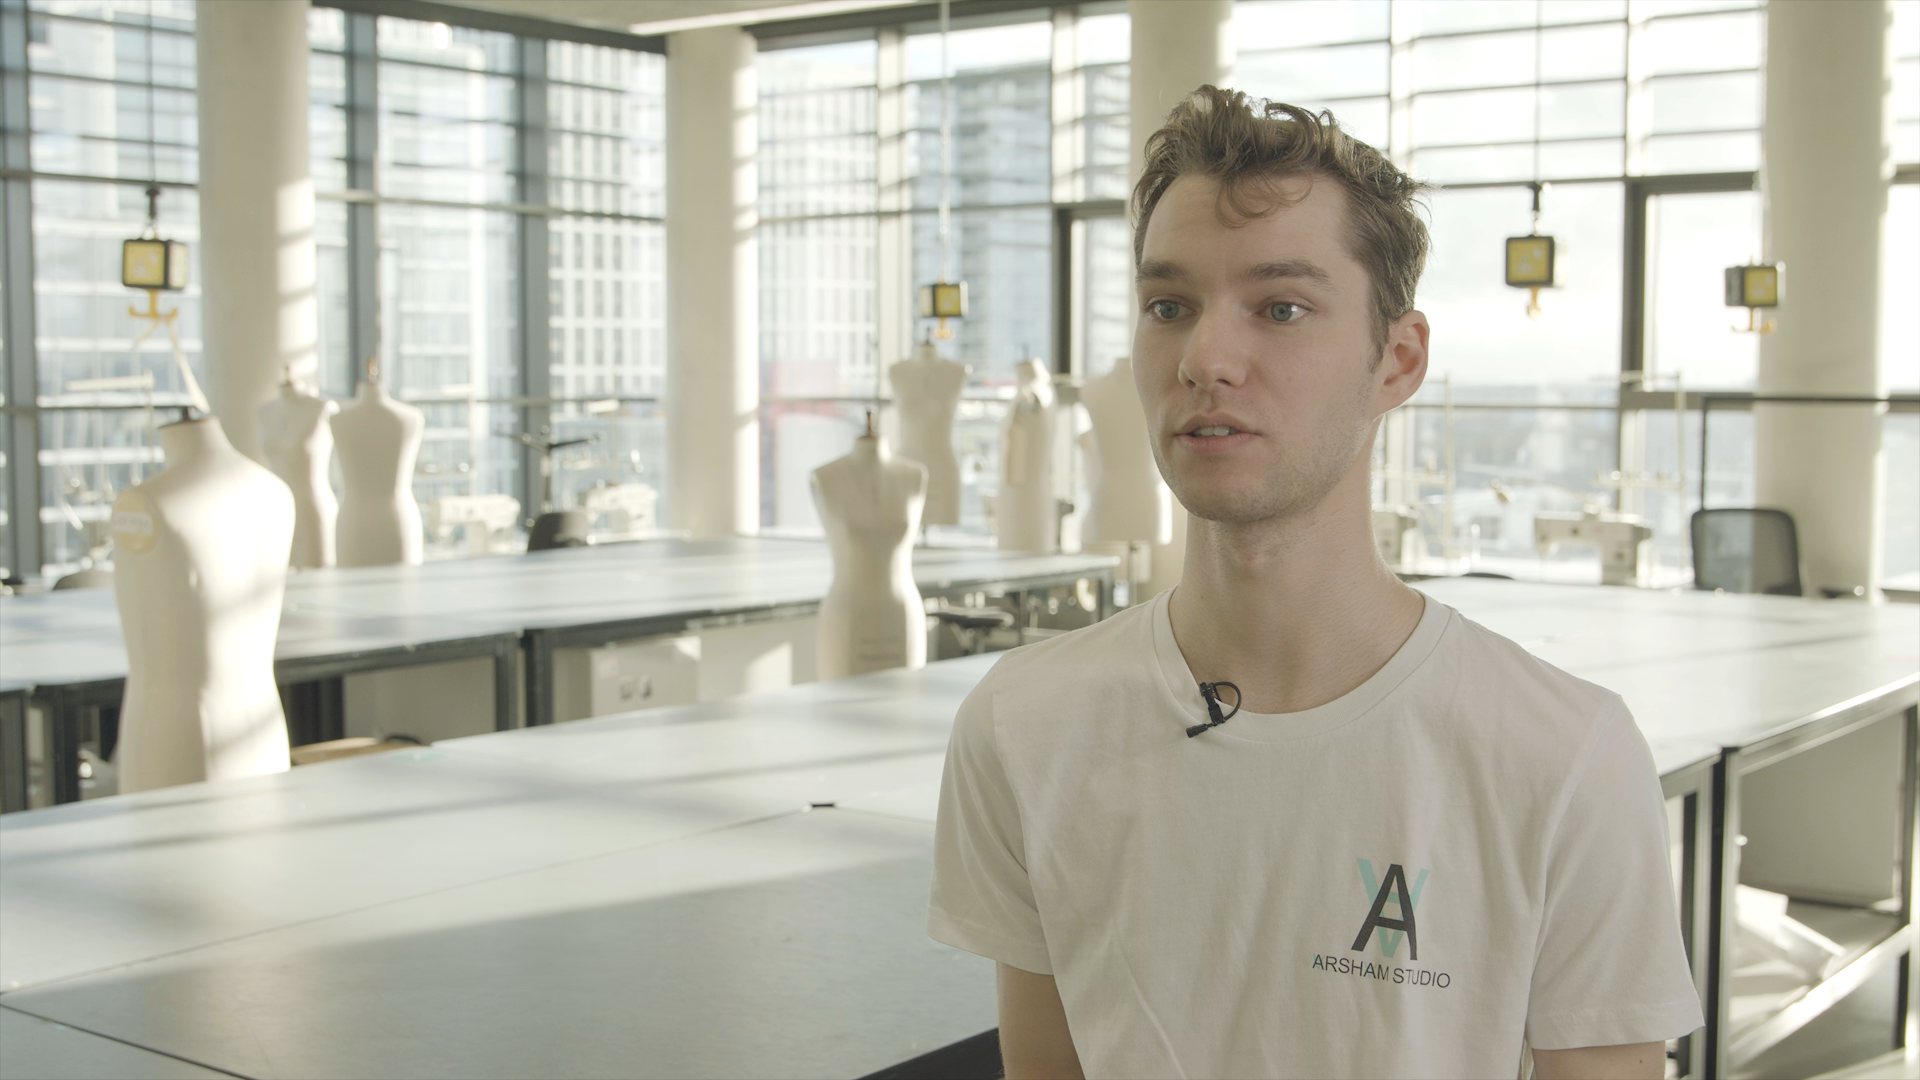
(1210, 691)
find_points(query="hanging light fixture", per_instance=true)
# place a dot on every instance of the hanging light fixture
(1754, 287)
(1530, 259)
(1531, 262)
(150, 261)
(945, 299)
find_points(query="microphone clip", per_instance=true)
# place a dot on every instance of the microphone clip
(1210, 693)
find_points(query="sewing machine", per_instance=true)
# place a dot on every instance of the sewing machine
(1625, 543)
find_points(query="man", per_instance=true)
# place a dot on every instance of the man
(1413, 849)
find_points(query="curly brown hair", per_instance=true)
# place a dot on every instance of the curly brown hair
(1245, 144)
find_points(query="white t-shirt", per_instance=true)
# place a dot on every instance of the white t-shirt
(1467, 850)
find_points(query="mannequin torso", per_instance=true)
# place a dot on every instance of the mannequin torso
(377, 440)
(201, 561)
(872, 617)
(298, 442)
(1024, 515)
(1129, 500)
(927, 389)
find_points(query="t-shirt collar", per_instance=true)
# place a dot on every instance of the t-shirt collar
(1184, 688)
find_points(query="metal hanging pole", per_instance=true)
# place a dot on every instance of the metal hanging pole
(1539, 18)
(946, 147)
(153, 164)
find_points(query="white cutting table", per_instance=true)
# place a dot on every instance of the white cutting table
(66, 651)
(44, 1050)
(649, 895)
(655, 895)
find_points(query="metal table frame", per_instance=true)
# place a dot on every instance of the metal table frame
(1694, 785)
(66, 704)
(1901, 700)
(540, 643)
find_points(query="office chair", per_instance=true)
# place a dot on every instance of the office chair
(1746, 550)
(972, 626)
(558, 529)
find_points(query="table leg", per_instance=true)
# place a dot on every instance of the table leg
(503, 651)
(1725, 857)
(13, 752)
(63, 747)
(538, 648)
(1693, 786)
(1906, 1024)
(1696, 883)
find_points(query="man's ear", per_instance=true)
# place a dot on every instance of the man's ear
(1403, 361)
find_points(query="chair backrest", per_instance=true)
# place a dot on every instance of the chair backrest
(1746, 550)
(558, 529)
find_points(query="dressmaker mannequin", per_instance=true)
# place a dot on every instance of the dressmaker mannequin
(1023, 513)
(1129, 502)
(927, 388)
(872, 617)
(377, 439)
(200, 553)
(298, 441)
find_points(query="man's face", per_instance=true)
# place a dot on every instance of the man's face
(1254, 353)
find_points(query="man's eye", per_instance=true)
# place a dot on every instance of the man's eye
(1283, 312)
(1164, 310)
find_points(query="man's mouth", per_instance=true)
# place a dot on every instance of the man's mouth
(1213, 431)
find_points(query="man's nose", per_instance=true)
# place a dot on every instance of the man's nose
(1212, 357)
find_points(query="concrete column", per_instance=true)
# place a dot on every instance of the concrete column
(713, 369)
(1178, 45)
(256, 207)
(1825, 178)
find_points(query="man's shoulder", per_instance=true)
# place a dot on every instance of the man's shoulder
(1077, 658)
(1067, 679)
(1503, 681)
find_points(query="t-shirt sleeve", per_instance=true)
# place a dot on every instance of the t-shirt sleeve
(1610, 967)
(982, 899)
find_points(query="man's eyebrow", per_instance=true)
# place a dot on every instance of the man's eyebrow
(1291, 268)
(1159, 270)
(1166, 270)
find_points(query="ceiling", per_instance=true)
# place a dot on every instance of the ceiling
(662, 16)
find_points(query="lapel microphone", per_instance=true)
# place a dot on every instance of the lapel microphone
(1210, 691)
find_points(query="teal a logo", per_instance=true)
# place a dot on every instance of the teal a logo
(1393, 888)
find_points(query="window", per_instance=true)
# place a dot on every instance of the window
(851, 190)
(1691, 239)
(1900, 359)
(1319, 54)
(109, 107)
(999, 232)
(449, 343)
(441, 193)
(1483, 98)
(606, 147)
(1097, 151)
(818, 240)
(1899, 284)
(1904, 99)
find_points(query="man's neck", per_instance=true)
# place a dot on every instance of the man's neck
(1296, 611)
